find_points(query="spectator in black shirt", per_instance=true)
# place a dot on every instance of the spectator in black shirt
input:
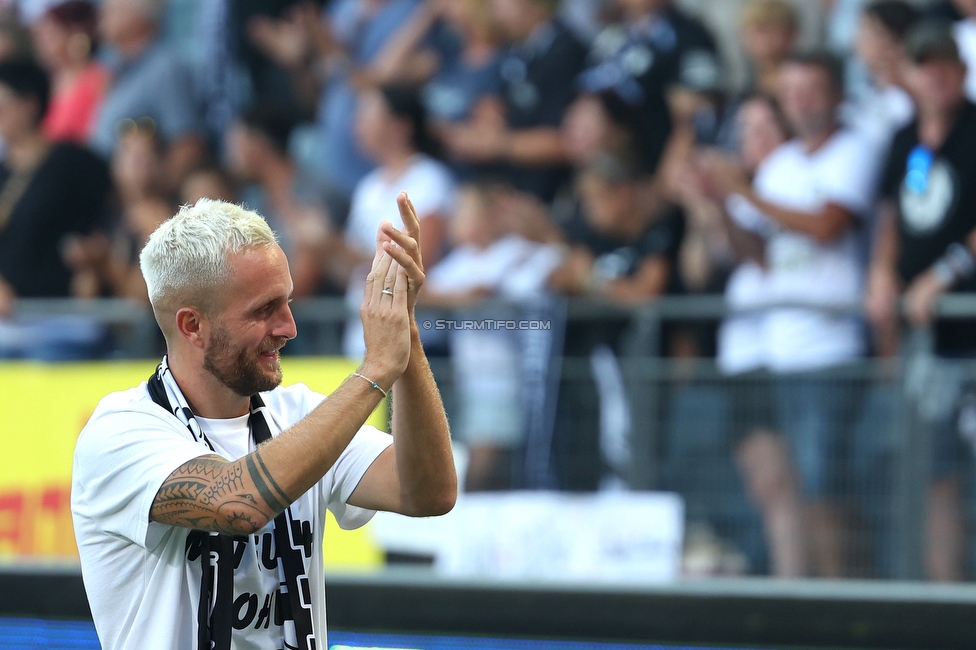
(47, 193)
(624, 243)
(657, 56)
(521, 131)
(926, 247)
(656, 48)
(623, 246)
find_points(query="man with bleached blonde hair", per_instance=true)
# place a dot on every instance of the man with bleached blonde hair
(199, 497)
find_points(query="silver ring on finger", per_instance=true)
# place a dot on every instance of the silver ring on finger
(387, 291)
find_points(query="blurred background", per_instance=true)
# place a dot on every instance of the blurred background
(700, 298)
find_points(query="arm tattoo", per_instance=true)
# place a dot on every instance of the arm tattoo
(211, 493)
(273, 495)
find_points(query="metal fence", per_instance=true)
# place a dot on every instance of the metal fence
(680, 424)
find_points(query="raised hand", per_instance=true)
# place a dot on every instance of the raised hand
(404, 247)
(386, 321)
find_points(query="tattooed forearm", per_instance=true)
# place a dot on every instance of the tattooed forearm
(230, 482)
(273, 495)
(213, 494)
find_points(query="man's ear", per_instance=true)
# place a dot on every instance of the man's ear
(192, 326)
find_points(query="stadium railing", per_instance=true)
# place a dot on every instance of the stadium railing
(680, 434)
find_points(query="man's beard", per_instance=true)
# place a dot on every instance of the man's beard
(238, 370)
(814, 125)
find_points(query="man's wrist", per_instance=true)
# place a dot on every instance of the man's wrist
(376, 372)
(956, 265)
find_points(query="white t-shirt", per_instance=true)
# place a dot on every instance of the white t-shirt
(142, 580)
(965, 33)
(741, 344)
(803, 270)
(512, 266)
(428, 183)
(740, 336)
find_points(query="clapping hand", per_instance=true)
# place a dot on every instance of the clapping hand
(720, 174)
(404, 247)
(391, 293)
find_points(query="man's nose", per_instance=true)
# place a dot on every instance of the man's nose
(286, 326)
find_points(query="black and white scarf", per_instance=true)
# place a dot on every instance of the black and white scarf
(215, 614)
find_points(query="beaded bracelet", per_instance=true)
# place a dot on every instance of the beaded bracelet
(371, 382)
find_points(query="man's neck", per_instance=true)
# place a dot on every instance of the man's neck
(934, 126)
(478, 49)
(813, 141)
(890, 75)
(396, 161)
(68, 73)
(767, 77)
(205, 395)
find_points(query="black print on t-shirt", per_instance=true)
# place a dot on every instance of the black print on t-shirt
(250, 608)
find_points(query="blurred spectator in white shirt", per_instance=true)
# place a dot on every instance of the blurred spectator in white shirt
(965, 33)
(391, 126)
(761, 453)
(489, 259)
(814, 194)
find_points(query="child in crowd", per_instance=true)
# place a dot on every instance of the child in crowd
(488, 260)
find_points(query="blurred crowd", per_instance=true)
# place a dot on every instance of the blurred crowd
(581, 148)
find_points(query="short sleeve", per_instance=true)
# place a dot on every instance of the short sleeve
(121, 460)
(849, 178)
(558, 78)
(342, 480)
(664, 239)
(444, 42)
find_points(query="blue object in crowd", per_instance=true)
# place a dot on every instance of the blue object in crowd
(917, 173)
